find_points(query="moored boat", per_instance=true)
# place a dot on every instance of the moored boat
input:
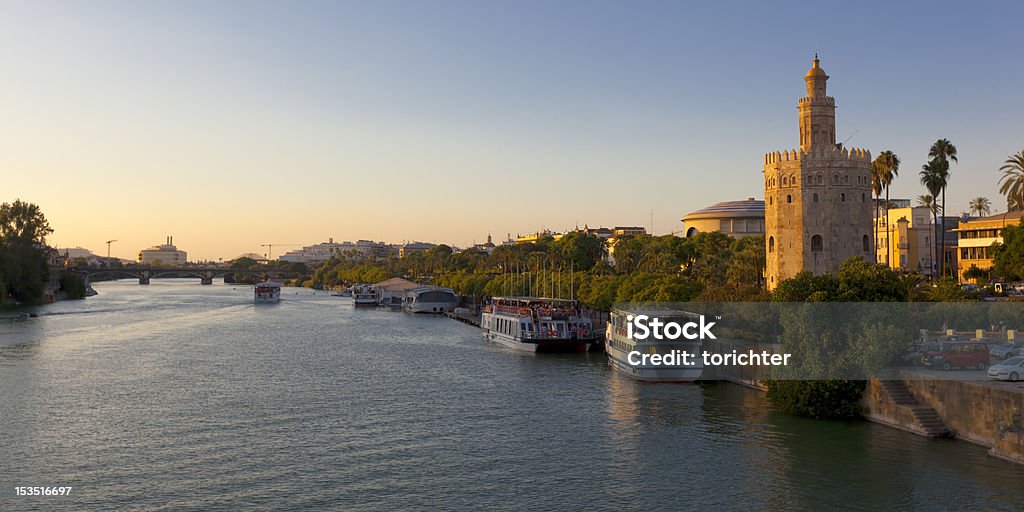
(431, 299)
(619, 345)
(364, 295)
(267, 292)
(537, 324)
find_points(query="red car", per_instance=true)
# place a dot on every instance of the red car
(958, 355)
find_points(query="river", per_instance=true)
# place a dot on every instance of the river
(176, 396)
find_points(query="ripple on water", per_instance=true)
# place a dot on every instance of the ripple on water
(177, 397)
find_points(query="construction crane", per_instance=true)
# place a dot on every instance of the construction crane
(270, 255)
(108, 247)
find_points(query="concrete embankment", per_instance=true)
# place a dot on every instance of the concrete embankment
(983, 412)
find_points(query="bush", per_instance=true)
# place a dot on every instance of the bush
(72, 284)
(818, 398)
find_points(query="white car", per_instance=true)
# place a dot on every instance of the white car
(1012, 369)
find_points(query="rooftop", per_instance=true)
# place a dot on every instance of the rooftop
(749, 207)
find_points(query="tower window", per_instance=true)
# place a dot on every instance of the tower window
(842, 197)
(789, 198)
(771, 200)
(815, 198)
(866, 243)
(816, 244)
(862, 198)
(771, 244)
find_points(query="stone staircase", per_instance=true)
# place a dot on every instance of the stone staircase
(926, 419)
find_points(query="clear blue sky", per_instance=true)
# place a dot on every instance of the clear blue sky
(230, 124)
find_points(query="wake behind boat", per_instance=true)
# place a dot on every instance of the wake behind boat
(536, 324)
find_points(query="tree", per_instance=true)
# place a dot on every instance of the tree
(746, 266)
(933, 180)
(1008, 257)
(876, 189)
(981, 205)
(1012, 181)
(976, 274)
(24, 266)
(584, 250)
(889, 168)
(943, 151)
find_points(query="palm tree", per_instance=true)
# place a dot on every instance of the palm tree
(981, 205)
(933, 180)
(1012, 181)
(943, 151)
(924, 201)
(876, 189)
(888, 165)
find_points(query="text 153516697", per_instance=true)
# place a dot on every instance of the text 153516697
(42, 491)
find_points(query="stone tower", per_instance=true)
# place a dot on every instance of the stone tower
(817, 199)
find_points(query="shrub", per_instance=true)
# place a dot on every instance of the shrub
(818, 398)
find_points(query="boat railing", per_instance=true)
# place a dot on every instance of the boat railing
(558, 335)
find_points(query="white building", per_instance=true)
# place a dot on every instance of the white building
(319, 253)
(166, 254)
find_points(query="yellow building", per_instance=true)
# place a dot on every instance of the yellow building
(977, 237)
(904, 239)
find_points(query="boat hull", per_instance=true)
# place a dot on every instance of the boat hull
(554, 345)
(616, 359)
(431, 307)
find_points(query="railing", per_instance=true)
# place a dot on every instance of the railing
(557, 335)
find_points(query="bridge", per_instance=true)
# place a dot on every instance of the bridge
(205, 274)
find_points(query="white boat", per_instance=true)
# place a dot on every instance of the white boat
(619, 345)
(430, 299)
(267, 292)
(364, 295)
(536, 324)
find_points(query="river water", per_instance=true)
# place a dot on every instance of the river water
(176, 396)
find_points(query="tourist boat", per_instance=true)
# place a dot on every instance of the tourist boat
(267, 292)
(430, 299)
(364, 295)
(618, 346)
(536, 324)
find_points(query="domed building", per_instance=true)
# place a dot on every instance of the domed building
(734, 218)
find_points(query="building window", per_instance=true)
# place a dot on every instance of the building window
(816, 244)
(862, 198)
(771, 201)
(789, 198)
(842, 197)
(815, 199)
(771, 244)
(867, 243)
(819, 179)
(785, 181)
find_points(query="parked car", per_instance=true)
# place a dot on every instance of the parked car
(1006, 350)
(957, 355)
(1012, 369)
(912, 354)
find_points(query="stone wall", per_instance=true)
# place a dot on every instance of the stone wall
(987, 413)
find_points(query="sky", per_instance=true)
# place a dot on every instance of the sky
(229, 125)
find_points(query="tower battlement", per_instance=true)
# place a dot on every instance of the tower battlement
(819, 153)
(818, 99)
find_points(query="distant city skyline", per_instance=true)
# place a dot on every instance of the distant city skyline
(234, 124)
